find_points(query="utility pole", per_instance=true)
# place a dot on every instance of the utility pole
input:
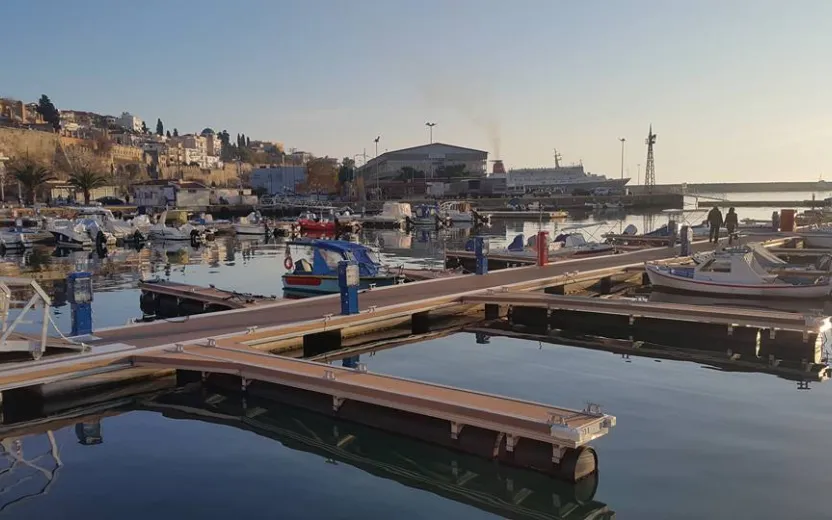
(638, 179)
(430, 128)
(378, 192)
(622, 156)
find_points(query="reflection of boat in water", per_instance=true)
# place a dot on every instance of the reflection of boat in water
(735, 273)
(320, 276)
(505, 491)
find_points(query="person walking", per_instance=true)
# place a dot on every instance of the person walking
(731, 224)
(715, 221)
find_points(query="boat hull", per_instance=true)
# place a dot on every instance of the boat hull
(317, 284)
(818, 240)
(663, 279)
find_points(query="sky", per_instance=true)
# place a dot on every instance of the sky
(736, 90)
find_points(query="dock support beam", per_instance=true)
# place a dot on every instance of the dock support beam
(420, 322)
(559, 290)
(492, 311)
(321, 342)
(187, 377)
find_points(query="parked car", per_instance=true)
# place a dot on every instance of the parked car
(110, 201)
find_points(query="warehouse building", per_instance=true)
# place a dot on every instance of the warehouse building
(432, 161)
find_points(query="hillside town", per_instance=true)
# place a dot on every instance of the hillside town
(121, 157)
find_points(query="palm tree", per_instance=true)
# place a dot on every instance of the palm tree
(30, 176)
(87, 179)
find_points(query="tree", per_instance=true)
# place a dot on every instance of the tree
(49, 113)
(30, 176)
(168, 133)
(87, 179)
(346, 173)
(248, 142)
(145, 130)
(225, 138)
(160, 128)
(175, 132)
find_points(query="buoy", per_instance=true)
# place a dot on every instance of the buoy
(288, 263)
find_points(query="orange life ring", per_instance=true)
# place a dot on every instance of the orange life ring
(287, 262)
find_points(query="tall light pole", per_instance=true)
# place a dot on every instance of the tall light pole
(638, 179)
(430, 127)
(378, 192)
(622, 155)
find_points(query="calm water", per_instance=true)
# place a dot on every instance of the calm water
(691, 441)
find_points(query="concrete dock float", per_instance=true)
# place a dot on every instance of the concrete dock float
(167, 298)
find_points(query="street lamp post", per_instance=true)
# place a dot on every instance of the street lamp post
(622, 156)
(638, 169)
(430, 129)
(378, 192)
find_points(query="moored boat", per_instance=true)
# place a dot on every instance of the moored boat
(320, 275)
(252, 224)
(735, 273)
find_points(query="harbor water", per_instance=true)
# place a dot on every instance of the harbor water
(691, 442)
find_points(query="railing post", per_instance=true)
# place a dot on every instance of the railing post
(686, 240)
(79, 294)
(348, 282)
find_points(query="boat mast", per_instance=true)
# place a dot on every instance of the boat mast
(557, 158)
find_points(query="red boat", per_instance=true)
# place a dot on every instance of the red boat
(317, 226)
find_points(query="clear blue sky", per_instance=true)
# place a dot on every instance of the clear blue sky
(736, 90)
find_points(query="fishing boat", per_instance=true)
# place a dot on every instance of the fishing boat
(320, 275)
(252, 224)
(735, 272)
(69, 234)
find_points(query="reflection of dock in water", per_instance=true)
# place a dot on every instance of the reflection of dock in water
(505, 491)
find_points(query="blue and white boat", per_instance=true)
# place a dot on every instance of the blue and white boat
(320, 276)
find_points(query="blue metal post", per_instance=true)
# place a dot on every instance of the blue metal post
(79, 294)
(348, 282)
(481, 252)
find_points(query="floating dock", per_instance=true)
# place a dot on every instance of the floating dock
(528, 215)
(170, 299)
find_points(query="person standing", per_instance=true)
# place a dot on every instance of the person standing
(715, 221)
(731, 224)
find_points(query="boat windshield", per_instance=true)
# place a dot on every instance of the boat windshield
(331, 258)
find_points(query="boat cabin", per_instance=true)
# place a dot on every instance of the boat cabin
(728, 267)
(327, 254)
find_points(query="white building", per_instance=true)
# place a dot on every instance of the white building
(170, 193)
(130, 122)
(431, 159)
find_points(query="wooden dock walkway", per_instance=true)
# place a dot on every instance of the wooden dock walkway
(206, 295)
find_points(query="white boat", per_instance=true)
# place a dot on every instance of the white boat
(575, 244)
(252, 224)
(69, 234)
(102, 219)
(394, 215)
(186, 232)
(820, 238)
(14, 241)
(735, 273)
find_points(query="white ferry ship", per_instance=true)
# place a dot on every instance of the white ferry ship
(561, 178)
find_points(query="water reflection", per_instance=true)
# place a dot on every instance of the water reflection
(508, 492)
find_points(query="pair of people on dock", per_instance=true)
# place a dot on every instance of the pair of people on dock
(715, 221)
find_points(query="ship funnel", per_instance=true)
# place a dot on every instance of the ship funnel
(498, 167)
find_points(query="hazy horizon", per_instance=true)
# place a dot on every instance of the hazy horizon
(735, 90)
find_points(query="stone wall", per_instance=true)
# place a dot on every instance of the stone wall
(225, 176)
(18, 143)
